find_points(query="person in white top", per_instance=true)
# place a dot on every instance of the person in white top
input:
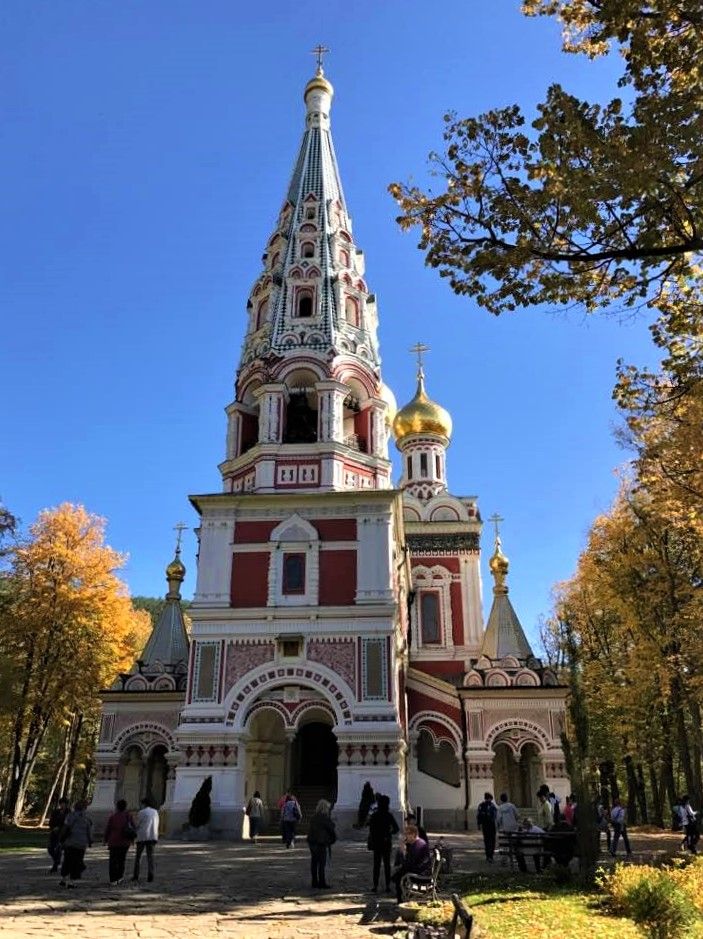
(689, 824)
(507, 818)
(147, 836)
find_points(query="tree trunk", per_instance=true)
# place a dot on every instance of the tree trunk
(642, 794)
(683, 744)
(668, 783)
(696, 751)
(657, 816)
(59, 776)
(631, 791)
(76, 727)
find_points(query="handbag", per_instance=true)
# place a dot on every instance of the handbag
(129, 831)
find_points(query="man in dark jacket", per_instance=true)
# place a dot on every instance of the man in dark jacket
(417, 858)
(486, 821)
(321, 836)
(56, 823)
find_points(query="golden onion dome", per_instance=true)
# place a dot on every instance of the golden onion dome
(498, 563)
(176, 569)
(385, 394)
(422, 416)
(318, 83)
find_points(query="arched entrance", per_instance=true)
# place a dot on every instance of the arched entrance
(518, 773)
(315, 756)
(142, 772)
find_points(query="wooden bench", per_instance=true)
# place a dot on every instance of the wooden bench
(423, 886)
(543, 845)
(460, 927)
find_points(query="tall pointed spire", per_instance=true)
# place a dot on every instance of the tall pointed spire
(309, 373)
(504, 633)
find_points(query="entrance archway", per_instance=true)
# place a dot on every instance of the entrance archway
(315, 756)
(156, 775)
(517, 774)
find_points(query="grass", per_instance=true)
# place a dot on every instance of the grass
(527, 907)
(19, 839)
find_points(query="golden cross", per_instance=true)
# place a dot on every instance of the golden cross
(419, 349)
(319, 51)
(496, 519)
(179, 528)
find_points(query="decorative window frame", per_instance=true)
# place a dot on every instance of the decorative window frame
(426, 592)
(365, 643)
(294, 535)
(286, 589)
(439, 580)
(201, 644)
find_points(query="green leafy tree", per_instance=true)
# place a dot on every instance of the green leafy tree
(589, 202)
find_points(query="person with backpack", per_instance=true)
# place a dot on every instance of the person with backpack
(321, 837)
(76, 836)
(120, 832)
(486, 820)
(382, 828)
(255, 813)
(290, 816)
(619, 822)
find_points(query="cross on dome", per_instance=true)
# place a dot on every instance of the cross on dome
(419, 349)
(319, 51)
(179, 529)
(496, 519)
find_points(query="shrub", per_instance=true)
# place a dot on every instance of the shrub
(199, 813)
(653, 898)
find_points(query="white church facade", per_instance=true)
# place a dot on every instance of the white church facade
(337, 628)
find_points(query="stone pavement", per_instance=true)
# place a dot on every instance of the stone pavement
(215, 889)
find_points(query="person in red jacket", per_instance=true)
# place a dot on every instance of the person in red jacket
(120, 832)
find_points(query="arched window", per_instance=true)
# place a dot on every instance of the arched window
(261, 312)
(274, 259)
(351, 311)
(344, 258)
(304, 304)
(308, 250)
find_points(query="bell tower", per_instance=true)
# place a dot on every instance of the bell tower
(310, 412)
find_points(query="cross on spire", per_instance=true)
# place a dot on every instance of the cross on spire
(496, 519)
(419, 349)
(319, 51)
(179, 529)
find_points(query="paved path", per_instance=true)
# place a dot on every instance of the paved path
(215, 889)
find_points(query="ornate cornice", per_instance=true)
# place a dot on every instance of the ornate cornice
(442, 544)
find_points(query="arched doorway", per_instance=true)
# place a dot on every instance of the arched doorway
(156, 775)
(315, 756)
(266, 752)
(131, 776)
(517, 773)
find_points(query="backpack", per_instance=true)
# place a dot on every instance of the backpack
(291, 812)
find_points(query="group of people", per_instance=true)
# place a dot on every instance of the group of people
(71, 834)
(550, 818)
(686, 820)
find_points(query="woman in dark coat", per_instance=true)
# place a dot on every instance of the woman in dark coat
(382, 827)
(321, 836)
(120, 832)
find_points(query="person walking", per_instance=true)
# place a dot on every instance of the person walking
(321, 837)
(255, 811)
(56, 823)
(603, 824)
(382, 828)
(290, 816)
(147, 836)
(77, 836)
(617, 817)
(486, 820)
(120, 832)
(689, 824)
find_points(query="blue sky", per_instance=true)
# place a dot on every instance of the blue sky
(146, 148)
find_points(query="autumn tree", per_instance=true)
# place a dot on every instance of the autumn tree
(68, 627)
(584, 202)
(634, 608)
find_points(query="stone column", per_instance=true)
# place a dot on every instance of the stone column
(378, 445)
(271, 398)
(330, 396)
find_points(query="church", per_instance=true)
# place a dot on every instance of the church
(337, 627)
